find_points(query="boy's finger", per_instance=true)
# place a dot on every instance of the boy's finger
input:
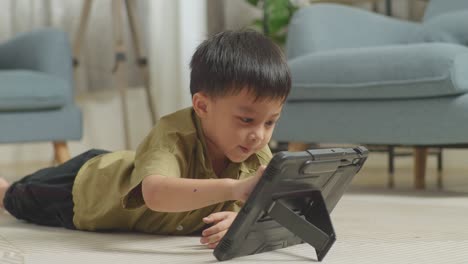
(207, 220)
(213, 238)
(213, 245)
(223, 225)
(261, 169)
(215, 217)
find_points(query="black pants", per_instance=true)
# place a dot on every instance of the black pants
(45, 197)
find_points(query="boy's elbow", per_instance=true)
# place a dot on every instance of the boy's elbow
(149, 192)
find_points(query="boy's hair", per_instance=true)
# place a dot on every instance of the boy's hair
(230, 61)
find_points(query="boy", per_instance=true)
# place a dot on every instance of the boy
(196, 166)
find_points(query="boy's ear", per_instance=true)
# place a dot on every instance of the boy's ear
(201, 103)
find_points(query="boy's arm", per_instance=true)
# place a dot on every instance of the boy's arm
(169, 194)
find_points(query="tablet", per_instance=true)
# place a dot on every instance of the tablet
(291, 202)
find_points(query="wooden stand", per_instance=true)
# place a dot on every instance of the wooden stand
(119, 69)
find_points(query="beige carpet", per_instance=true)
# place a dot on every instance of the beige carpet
(371, 228)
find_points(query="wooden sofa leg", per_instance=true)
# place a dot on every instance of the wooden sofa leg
(297, 146)
(420, 157)
(61, 153)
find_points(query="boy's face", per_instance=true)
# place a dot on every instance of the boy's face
(236, 126)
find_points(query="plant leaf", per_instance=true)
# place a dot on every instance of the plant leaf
(253, 2)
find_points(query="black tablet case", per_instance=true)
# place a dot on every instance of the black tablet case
(292, 201)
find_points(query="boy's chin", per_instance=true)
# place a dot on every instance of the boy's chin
(238, 159)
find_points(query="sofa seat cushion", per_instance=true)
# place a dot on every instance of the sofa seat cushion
(22, 90)
(389, 72)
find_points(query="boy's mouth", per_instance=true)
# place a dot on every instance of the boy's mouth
(244, 149)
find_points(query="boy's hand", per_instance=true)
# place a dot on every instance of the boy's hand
(244, 187)
(221, 222)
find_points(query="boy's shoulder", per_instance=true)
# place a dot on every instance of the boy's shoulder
(175, 132)
(173, 127)
(180, 121)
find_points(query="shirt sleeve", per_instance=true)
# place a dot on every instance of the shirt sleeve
(157, 162)
(151, 162)
(165, 151)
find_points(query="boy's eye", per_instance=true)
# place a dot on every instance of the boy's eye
(270, 123)
(246, 119)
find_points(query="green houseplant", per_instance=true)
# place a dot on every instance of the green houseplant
(276, 17)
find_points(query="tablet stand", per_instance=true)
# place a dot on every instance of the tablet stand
(315, 227)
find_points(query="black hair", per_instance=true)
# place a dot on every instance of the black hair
(230, 61)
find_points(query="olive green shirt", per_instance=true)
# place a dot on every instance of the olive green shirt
(107, 190)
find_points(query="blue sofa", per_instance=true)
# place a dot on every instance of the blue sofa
(364, 78)
(36, 91)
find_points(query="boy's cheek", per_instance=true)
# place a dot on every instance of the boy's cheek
(267, 139)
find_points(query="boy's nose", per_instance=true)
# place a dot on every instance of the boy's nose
(257, 135)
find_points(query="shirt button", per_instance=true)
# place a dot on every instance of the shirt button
(180, 228)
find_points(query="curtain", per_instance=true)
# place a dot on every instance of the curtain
(177, 27)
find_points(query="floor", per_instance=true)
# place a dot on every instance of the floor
(371, 227)
(373, 224)
(454, 175)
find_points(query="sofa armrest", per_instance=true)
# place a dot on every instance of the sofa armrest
(321, 27)
(45, 50)
(453, 23)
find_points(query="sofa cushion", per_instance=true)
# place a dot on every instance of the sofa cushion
(22, 90)
(388, 72)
